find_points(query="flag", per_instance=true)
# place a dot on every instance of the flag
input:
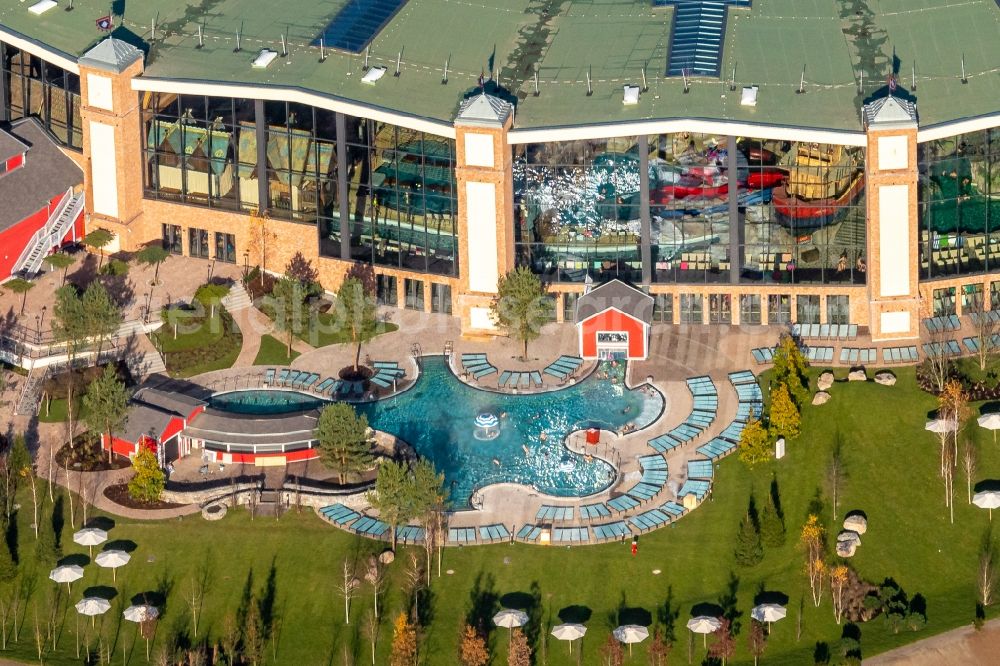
(104, 23)
(892, 83)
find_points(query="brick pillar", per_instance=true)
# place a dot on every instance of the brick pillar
(112, 141)
(485, 180)
(892, 221)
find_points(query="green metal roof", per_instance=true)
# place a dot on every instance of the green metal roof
(613, 40)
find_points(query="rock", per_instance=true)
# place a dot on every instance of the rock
(849, 536)
(885, 379)
(821, 398)
(856, 523)
(846, 548)
(857, 375)
(825, 381)
(386, 557)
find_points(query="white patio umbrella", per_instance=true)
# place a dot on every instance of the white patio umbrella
(90, 537)
(112, 559)
(630, 633)
(941, 426)
(93, 606)
(569, 632)
(141, 613)
(703, 624)
(66, 574)
(768, 613)
(990, 422)
(987, 499)
(510, 618)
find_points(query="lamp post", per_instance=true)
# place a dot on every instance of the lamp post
(246, 264)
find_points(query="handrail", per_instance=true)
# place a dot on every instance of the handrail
(45, 230)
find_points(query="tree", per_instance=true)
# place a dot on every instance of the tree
(756, 640)
(260, 235)
(302, 269)
(356, 309)
(287, 299)
(153, 255)
(755, 444)
(772, 527)
(404, 642)
(346, 589)
(254, 637)
(472, 650)
(812, 540)
(99, 239)
(106, 402)
(230, 638)
(612, 653)
(8, 568)
(836, 473)
(659, 648)
(60, 260)
(429, 506)
(784, 415)
(20, 286)
(375, 576)
(748, 550)
(393, 495)
(70, 327)
(723, 644)
(47, 548)
(838, 586)
(146, 485)
(521, 306)
(519, 652)
(969, 462)
(790, 368)
(986, 576)
(344, 445)
(102, 318)
(985, 329)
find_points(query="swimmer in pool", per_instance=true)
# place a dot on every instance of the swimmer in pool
(496, 462)
(543, 436)
(628, 408)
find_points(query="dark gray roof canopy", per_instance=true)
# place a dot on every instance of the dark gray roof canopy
(618, 295)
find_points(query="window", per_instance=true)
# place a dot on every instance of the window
(994, 295)
(779, 309)
(972, 298)
(414, 294)
(838, 309)
(720, 309)
(750, 309)
(807, 309)
(440, 298)
(385, 288)
(569, 306)
(225, 248)
(944, 301)
(43, 90)
(663, 308)
(691, 309)
(198, 243)
(172, 241)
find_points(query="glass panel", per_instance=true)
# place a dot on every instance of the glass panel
(691, 309)
(779, 309)
(441, 298)
(414, 294)
(569, 306)
(720, 309)
(944, 302)
(972, 298)
(171, 236)
(807, 309)
(225, 248)
(750, 309)
(386, 289)
(838, 310)
(46, 91)
(663, 308)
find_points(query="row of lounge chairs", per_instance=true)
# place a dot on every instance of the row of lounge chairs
(818, 354)
(972, 344)
(858, 356)
(989, 315)
(305, 381)
(943, 323)
(658, 517)
(477, 365)
(291, 378)
(547, 513)
(900, 354)
(750, 405)
(386, 373)
(563, 367)
(945, 348)
(826, 331)
(512, 379)
(697, 487)
(362, 525)
(704, 409)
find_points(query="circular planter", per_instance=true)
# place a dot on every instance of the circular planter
(214, 512)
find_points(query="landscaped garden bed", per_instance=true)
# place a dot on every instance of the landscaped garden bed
(119, 494)
(86, 455)
(194, 340)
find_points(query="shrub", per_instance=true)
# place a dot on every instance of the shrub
(115, 267)
(148, 482)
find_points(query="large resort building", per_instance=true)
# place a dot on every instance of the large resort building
(743, 161)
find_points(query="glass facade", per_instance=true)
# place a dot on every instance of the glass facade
(385, 290)
(838, 309)
(779, 309)
(663, 308)
(171, 236)
(750, 309)
(807, 309)
(33, 87)
(691, 309)
(414, 294)
(959, 190)
(576, 209)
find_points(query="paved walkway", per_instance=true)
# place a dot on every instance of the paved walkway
(959, 647)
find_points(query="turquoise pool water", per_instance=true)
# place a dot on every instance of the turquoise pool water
(437, 417)
(260, 402)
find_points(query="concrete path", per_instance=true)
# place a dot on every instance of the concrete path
(959, 647)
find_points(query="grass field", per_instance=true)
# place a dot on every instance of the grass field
(893, 476)
(57, 410)
(273, 352)
(202, 343)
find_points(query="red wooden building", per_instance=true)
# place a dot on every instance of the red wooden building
(40, 209)
(155, 419)
(613, 320)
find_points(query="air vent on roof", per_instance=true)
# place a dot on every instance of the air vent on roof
(373, 74)
(631, 95)
(264, 58)
(749, 96)
(42, 7)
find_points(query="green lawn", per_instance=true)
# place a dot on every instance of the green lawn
(892, 464)
(202, 344)
(273, 352)
(57, 410)
(321, 328)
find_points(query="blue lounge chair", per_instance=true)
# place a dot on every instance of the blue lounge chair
(536, 378)
(283, 375)
(269, 376)
(324, 385)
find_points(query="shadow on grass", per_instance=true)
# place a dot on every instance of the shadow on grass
(101, 523)
(987, 485)
(121, 544)
(770, 597)
(78, 559)
(101, 591)
(575, 614)
(707, 609)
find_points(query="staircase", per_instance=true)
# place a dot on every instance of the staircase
(237, 299)
(699, 28)
(31, 394)
(148, 363)
(49, 236)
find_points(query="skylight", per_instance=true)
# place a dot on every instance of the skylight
(357, 23)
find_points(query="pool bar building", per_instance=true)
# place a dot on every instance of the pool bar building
(743, 162)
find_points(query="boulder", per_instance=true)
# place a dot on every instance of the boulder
(849, 536)
(825, 381)
(856, 523)
(885, 379)
(857, 375)
(386, 557)
(846, 548)
(821, 398)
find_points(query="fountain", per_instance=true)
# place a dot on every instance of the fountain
(487, 427)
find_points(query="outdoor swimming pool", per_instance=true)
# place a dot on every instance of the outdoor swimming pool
(438, 417)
